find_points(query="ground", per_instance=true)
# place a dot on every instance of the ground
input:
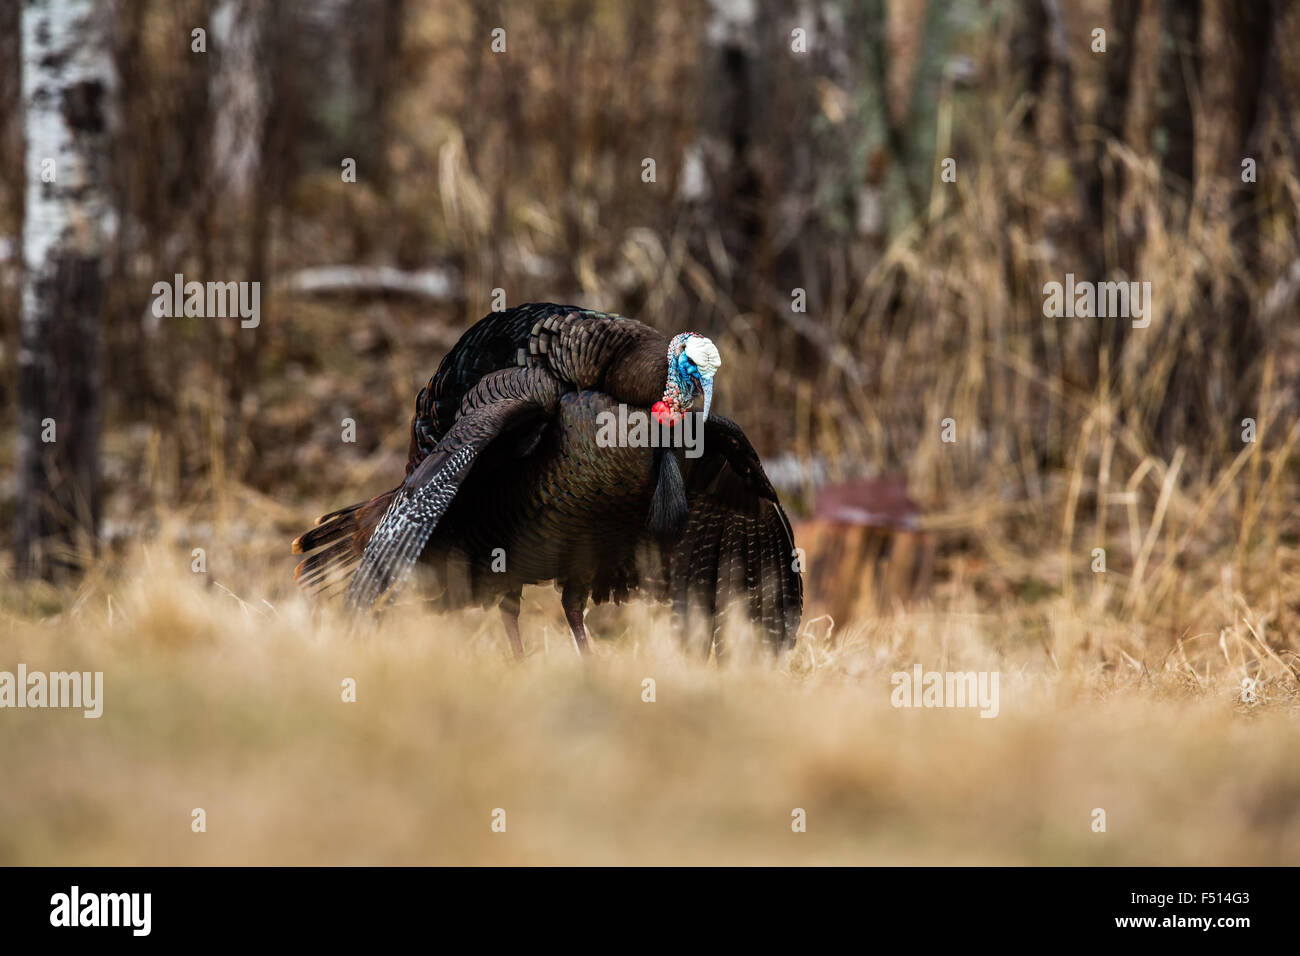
(235, 705)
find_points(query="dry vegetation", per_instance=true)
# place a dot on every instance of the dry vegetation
(1120, 691)
(216, 698)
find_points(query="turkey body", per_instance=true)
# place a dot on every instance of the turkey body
(569, 511)
(507, 485)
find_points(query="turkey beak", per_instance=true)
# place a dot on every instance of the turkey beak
(707, 386)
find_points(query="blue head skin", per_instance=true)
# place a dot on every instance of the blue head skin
(692, 362)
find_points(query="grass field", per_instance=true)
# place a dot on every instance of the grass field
(232, 702)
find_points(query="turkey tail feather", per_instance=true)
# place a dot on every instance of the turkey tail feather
(335, 545)
(328, 528)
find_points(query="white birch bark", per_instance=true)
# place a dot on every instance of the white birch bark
(67, 84)
(238, 96)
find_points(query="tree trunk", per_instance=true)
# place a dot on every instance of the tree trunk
(67, 88)
(1179, 75)
(241, 98)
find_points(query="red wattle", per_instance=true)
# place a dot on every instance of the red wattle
(663, 414)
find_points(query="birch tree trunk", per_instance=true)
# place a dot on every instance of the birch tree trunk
(241, 96)
(239, 99)
(67, 86)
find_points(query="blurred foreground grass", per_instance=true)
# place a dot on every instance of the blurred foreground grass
(235, 706)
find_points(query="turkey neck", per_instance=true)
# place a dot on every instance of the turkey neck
(638, 377)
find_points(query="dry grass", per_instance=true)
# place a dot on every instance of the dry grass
(223, 692)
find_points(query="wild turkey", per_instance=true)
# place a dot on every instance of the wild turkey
(509, 483)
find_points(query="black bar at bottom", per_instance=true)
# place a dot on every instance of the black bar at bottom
(306, 905)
